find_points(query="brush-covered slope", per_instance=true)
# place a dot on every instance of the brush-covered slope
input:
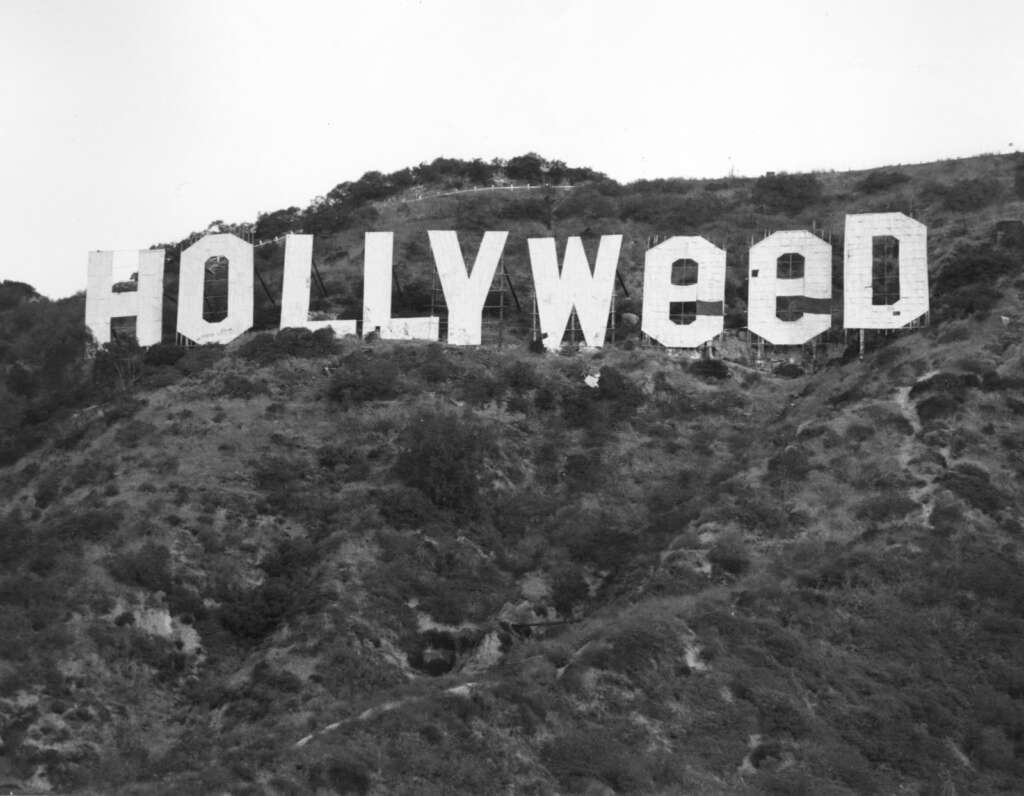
(301, 564)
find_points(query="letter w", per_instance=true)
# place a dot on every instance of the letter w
(575, 287)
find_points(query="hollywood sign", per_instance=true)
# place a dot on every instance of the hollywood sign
(559, 288)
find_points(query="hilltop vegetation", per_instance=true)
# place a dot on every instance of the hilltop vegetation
(299, 563)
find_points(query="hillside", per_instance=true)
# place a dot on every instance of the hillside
(299, 564)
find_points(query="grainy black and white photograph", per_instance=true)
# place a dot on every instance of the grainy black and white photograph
(448, 398)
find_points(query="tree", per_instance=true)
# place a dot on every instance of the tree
(442, 455)
(118, 364)
(529, 167)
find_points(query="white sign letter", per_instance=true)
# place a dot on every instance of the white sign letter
(465, 295)
(377, 295)
(557, 294)
(298, 264)
(885, 279)
(796, 266)
(191, 287)
(145, 303)
(706, 293)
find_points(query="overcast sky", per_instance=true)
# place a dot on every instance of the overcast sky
(126, 123)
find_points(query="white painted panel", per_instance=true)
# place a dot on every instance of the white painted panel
(298, 266)
(660, 292)
(557, 294)
(145, 303)
(377, 295)
(764, 287)
(190, 289)
(858, 311)
(465, 294)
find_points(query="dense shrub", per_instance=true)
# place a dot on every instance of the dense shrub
(671, 211)
(236, 386)
(789, 370)
(163, 354)
(350, 463)
(790, 464)
(885, 506)
(579, 756)
(600, 538)
(479, 388)
(405, 508)
(619, 390)
(972, 484)
(881, 180)
(341, 772)
(435, 367)
(710, 369)
(363, 377)
(729, 553)
(149, 567)
(586, 202)
(937, 407)
(526, 209)
(544, 400)
(289, 589)
(568, 588)
(965, 282)
(265, 348)
(199, 358)
(786, 193)
(967, 195)
(442, 454)
(521, 376)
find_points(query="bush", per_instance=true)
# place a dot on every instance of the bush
(148, 568)
(342, 772)
(363, 377)
(937, 407)
(971, 194)
(789, 370)
(199, 358)
(435, 367)
(578, 756)
(729, 554)
(236, 386)
(544, 400)
(973, 486)
(710, 369)
(481, 388)
(620, 390)
(405, 508)
(965, 282)
(289, 589)
(881, 180)
(442, 454)
(568, 587)
(163, 354)
(521, 376)
(671, 211)
(786, 193)
(133, 432)
(265, 348)
(886, 506)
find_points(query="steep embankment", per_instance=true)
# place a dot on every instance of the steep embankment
(306, 563)
(395, 566)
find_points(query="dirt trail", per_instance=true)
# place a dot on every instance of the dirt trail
(910, 447)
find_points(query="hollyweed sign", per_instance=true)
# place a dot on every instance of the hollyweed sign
(794, 268)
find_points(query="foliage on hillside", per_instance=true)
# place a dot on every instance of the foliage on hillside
(958, 200)
(367, 567)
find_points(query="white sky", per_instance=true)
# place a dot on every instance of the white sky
(124, 123)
